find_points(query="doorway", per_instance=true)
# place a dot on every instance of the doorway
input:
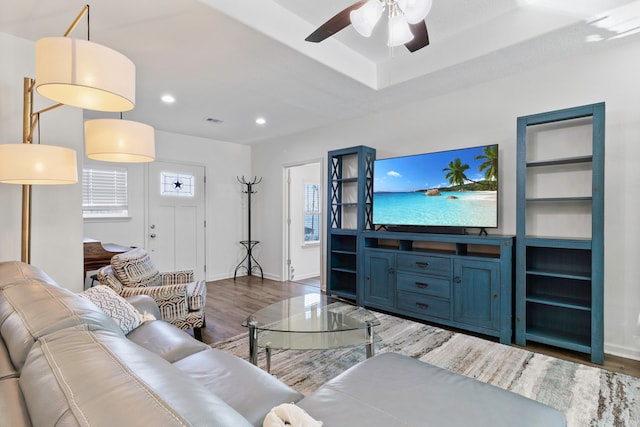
(303, 223)
(175, 236)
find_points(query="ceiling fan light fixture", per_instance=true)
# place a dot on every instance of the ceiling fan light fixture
(415, 10)
(399, 31)
(366, 17)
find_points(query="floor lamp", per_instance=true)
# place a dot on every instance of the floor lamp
(71, 72)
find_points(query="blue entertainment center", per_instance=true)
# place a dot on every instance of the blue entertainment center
(459, 280)
(547, 282)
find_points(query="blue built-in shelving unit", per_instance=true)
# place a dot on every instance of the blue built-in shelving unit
(560, 229)
(349, 212)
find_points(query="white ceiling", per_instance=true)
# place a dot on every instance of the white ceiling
(236, 60)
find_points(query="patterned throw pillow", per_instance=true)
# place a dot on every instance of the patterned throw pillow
(120, 310)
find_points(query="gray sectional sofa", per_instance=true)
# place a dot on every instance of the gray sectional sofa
(64, 362)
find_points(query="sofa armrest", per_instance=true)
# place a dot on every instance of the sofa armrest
(145, 304)
(175, 277)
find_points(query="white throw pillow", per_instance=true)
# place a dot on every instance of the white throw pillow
(120, 310)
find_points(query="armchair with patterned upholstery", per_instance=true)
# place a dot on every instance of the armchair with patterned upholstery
(181, 299)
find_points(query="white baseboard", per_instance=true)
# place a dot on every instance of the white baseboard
(622, 351)
(306, 276)
(230, 276)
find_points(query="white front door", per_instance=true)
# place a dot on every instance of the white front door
(176, 217)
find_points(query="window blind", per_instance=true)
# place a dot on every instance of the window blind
(104, 192)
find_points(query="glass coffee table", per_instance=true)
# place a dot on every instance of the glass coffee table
(309, 322)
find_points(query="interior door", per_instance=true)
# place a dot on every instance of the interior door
(176, 217)
(302, 248)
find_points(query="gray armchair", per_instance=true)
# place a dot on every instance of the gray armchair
(181, 300)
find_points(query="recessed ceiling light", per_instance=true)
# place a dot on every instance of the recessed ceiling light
(593, 38)
(261, 121)
(168, 99)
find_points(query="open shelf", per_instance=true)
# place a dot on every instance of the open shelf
(564, 325)
(441, 244)
(560, 199)
(560, 161)
(560, 229)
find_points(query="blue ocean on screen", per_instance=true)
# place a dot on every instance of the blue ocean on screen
(455, 208)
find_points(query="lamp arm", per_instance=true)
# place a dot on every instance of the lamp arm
(31, 118)
(75, 21)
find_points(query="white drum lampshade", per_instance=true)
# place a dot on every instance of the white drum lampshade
(36, 164)
(116, 140)
(84, 74)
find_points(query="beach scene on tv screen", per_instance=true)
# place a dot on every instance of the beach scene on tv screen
(456, 188)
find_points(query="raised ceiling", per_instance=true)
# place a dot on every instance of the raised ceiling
(234, 61)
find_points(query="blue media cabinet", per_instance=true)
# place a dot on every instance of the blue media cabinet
(463, 281)
(560, 229)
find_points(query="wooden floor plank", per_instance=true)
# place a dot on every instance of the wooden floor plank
(230, 302)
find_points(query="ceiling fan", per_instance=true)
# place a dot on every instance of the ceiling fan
(406, 25)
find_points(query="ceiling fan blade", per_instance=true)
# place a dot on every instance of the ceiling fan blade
(420, 36)
(335, 24)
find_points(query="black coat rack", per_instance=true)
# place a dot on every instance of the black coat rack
(249, 244)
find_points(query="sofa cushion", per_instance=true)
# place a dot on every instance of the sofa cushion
(13, 272)
(166, 340)
(13, 411)
(135, 268)
(34, 309)
(6, 367)
(246, 388)
(118, 308)
(100, 378)
(392, 389)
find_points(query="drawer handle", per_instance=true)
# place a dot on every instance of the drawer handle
(422, 264)
(422, 285)
(422, 305)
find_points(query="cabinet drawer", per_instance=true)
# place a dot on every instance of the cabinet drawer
(424, 284)
(424, 264)
(423, 305)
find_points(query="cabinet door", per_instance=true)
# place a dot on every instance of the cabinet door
(476, 290)
(379, 280)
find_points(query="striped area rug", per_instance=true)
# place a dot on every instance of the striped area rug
(588, 396)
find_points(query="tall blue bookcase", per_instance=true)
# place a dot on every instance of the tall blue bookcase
(560, 229)
(349, 212)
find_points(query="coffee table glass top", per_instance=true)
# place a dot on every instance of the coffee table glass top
(312, 321)
(311, 313)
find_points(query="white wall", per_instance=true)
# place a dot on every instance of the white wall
(225, 204)
(486, 114)
(56, 224)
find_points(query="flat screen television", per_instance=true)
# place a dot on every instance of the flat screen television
(455, 188)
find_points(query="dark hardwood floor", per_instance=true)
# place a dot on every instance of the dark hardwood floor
(230, 302)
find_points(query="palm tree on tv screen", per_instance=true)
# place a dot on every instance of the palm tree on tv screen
(455, 172)
(490, 163)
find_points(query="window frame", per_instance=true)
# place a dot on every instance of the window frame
(309, 211)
